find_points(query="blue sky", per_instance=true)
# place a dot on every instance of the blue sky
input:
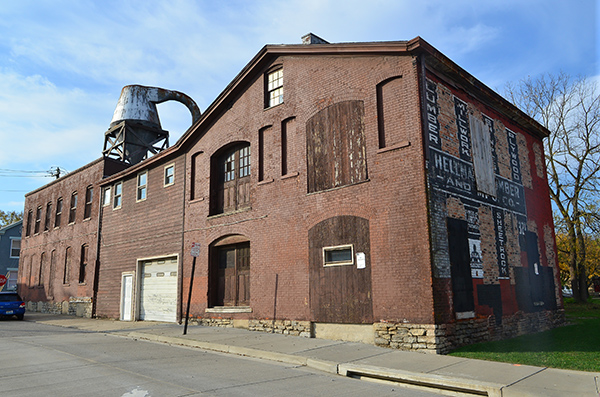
(63, 63)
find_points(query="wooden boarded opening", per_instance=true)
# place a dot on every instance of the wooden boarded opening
(340, 288)
(230, 272)
(335, 146)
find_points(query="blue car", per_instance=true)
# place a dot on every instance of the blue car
(11, 304)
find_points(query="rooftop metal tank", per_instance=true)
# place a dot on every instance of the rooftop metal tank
(135, 131)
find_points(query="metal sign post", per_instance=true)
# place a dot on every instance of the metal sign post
(195, 253)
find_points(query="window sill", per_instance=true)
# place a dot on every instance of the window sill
(215, 216)
(291, 175)
(338, 187)
(197, 200)
(274, 106)
(229, 309)
(265, 182)
(394, 147)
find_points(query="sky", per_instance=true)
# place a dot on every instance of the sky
(63, 63)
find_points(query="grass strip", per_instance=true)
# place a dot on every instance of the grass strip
(575, 346)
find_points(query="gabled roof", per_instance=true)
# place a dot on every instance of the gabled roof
(434, 61)
(12, 225)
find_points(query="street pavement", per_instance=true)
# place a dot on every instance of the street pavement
(444, 374)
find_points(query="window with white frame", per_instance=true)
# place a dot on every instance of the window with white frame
(169, 174)
(15, 247)
(118, 198)
(274, 88)
(106, 196)
(338, 255)
(142, 185)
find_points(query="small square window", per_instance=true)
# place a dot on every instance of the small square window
(169, 174)
(117, 200)
(338, 255)
(274, 88)
(142, 185)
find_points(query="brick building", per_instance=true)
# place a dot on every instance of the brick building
(362, 191)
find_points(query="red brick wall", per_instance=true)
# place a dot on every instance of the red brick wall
(57, 239)
(393, 199)
(139, 229)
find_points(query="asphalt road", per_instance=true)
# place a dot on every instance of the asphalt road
(44, 360)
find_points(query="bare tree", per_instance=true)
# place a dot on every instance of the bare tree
(570, 109)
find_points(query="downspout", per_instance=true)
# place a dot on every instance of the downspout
(180, 272)
(97, 262)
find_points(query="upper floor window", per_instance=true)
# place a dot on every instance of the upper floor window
(118, 198)
(169, 174)
(73, 209)
(48, 216)
(106, 196)
(15, 247)
(29, 220)
(142, 185)
(83, 263)
(89, 195)
(274, 88)
(230, 180)
(59, 204)
(38, 219)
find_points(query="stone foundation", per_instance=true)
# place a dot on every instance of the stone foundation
(285, 327)
(443, 338)
(75, 306)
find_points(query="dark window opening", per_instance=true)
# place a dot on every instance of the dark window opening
(83, 263)
(73, 208)
(48, 217)
(38, 219)
(41, 273)
(29, 220)
(67, 269)
(59, 204)
(89, 195)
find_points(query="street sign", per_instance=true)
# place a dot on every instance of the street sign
(195, 250)
(3, 280)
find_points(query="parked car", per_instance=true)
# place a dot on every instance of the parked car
(567, 292)
(11, 304)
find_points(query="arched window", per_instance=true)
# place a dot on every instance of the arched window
(230, 179)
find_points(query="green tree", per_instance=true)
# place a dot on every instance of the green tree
(6, 218)
(570, 109)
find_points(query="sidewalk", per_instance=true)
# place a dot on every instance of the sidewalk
(427, 371)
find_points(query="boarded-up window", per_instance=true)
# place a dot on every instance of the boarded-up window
(483, 159)
(335, 145)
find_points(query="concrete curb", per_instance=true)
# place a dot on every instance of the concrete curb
(422, 380)
(321, 365)
(417, 380)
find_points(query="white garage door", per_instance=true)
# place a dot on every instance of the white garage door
(158, 295)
